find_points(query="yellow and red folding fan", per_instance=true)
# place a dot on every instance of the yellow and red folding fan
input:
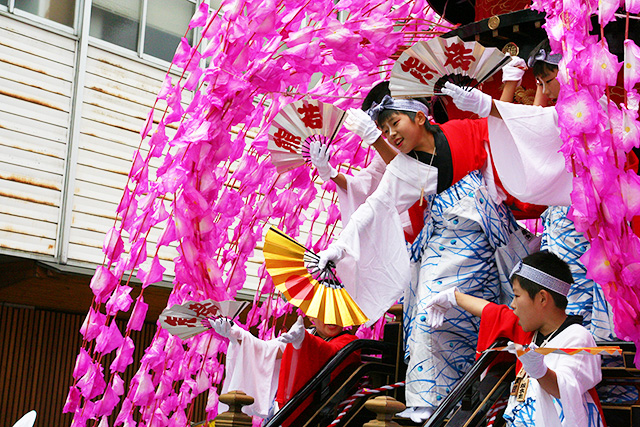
(318, 293)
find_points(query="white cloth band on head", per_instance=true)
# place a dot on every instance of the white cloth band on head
(541, 278)
(544, 56)
(389, 103)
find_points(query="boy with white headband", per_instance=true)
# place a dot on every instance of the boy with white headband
(554, 390)
(439, 165)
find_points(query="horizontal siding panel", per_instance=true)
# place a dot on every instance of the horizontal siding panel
(52, 106)
(103, 89)
(44, 66)
(115, 149)
(45, 131)
(88, 174)
(41, 42)
(102, 208)
(26, 243)
(25, 191)
(112, 164)
(127, 71)
(32, 143)
(28, 209)
(35, 79)
(28, 226)
(24, 160)
(33, 177)
(114, 119)
(101, 130)
(93, 191)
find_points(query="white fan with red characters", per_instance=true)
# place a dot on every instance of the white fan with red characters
(296, 126)
(423, 69)
(193, 317)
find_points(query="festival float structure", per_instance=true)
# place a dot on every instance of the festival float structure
(215, 189)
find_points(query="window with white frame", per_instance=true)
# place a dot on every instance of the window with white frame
(60, 11)
(148, 27)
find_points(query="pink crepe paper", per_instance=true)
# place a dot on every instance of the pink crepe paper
(73, 400)
(113, 245)
(109, 339)
(120, 300)
(103, 283)
(91, 326)
(92, 382)
(578, 113)
(631, 74)
(138, 315)
(152, 273)
(200, 17)
(124, 356)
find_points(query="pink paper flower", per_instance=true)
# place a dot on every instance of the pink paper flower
(151, 274)
(631, 64)
(91, 326)
(73, 400)
(200, 17)
(578, 113)
(120, 300)
(602, 67)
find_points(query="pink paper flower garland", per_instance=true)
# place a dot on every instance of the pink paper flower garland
(213, 198)
(597, 133)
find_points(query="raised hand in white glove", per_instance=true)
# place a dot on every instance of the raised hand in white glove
(438, 305)
(332, 253)
(514, 70)
(295, 335)
(532, 362)
(225, 327)
(361, 124)
(472, 100)
(320, 159)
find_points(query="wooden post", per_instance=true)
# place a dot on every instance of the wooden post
(385, 408)
(234, 417)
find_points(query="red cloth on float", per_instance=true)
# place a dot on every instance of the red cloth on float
(299, 366)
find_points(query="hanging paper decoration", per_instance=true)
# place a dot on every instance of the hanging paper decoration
(424, 68)
(296, 126)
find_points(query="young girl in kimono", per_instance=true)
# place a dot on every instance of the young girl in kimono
(527, 138)
(554, 390)
(438, 165)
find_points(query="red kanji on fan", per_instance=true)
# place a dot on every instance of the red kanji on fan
(286, 140)
(417, 69)
(204, 310)
(458, 56)
(311, 116)
(179, 321)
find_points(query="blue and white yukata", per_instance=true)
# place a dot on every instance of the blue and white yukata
(457, 247)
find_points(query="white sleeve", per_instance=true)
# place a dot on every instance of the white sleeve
(576, 374)
(253, 367)
(525, 146)
(375, 267)
(359, 186)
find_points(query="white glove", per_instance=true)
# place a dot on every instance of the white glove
(225, 327)
(532, 362)
(320, 159)
(332, 253)
(514, 70)
(361, 124)
(295, 335)
(472, 100)
(438, 305)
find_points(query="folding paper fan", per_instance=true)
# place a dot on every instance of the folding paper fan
(191, 318)
(424, 68)
(27, 420)
(318, 293)
(296, 126)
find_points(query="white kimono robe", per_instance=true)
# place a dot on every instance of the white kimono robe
(253, 367)
(576, 375)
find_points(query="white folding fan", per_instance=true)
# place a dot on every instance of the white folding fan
(422, 70)
(296, 126)
(191, 318)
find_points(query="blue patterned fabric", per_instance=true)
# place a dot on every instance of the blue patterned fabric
(523, 414)
(455, 248)
(586, 298)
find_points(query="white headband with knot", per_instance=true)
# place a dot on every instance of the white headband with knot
(541, 278)
(544, 56)
(389, 103)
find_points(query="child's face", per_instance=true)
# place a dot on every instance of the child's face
(326, 330)
(402, 132)
(550, 85)
(525, 308)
